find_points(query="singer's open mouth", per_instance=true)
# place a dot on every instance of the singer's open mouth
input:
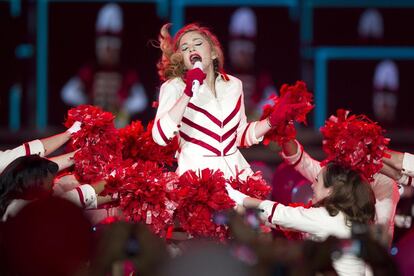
(194, 58)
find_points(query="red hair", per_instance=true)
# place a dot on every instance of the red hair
(171, 63)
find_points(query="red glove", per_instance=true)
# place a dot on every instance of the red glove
(284, 113)
(190, 76)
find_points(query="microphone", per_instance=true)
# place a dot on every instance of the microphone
(196, 83)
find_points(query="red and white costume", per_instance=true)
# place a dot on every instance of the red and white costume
(317, 225)
(385, 189)
(29, 148)
(84, 196)
(211, 129)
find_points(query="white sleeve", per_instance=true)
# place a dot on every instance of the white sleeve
(32, 147)
(164, 128)
(246, 135)
(314, 221)
(304, 164)
(408, 164)
(84, 196)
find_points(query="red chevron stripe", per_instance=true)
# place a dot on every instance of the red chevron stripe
(229, 133)
(205, 112)
(233, 113)
(209, 132)
(200, 143)
(214, 118)
(229, 146)
(202, 129)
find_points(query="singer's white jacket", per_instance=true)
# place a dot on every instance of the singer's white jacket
(211, 129)
(385, 188)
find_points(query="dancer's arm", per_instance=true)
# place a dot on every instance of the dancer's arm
(64, 161)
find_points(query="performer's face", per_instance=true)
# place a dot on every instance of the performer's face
(192, 46)
(319, 189)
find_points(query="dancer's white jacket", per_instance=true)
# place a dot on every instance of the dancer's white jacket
(385, 188)
(317, 225)
(408, 164)
(32, 147)
(211, 129)
(83, 196)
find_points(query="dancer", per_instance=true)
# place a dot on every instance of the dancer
(209, 120)
(28, 178)
(341, 196)
(385, 188)
(42, 147)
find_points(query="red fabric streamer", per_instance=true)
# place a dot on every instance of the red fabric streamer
(137, 144)
(298, 98)
(354, 141)
(200, 196)
(254, 185)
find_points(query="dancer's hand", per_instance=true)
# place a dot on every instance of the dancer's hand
(75, 127)
(235, 195)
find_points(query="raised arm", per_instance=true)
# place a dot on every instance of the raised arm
(294, 154)
(311, 220)
(64, 161)
(173, 100)
(403, 162)
(50, 144)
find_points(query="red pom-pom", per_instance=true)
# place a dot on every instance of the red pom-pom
(254, 186)
(95, 124)
(293, 96)
(200, 196)
(137, 144)
(146, 194)
(354, 141)
(99, 150)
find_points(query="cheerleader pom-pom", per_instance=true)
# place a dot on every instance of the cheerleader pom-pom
(146, 195)
(294, 103)
(254, 186)
(99, 150)
(96, 125)
(200, 197)
(354, 141)
(138, 144)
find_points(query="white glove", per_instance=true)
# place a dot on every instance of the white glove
(75, 127)
(237, 196)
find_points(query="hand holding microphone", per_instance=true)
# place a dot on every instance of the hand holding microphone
(194, 78)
